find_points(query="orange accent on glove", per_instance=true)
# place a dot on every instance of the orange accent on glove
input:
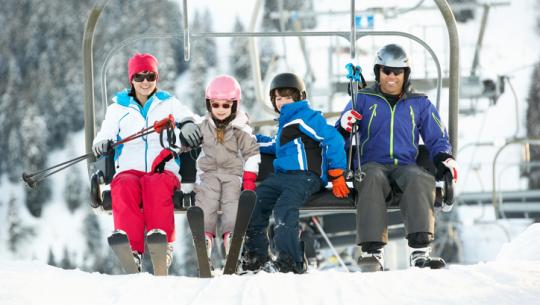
(339, 186)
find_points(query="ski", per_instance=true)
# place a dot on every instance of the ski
(246, 203)
(156, 240)
(195, 217)
(119, 243)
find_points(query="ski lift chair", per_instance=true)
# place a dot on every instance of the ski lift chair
(325, 201)
(183, 198)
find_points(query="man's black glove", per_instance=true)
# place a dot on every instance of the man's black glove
(190, 134)
(445, 165)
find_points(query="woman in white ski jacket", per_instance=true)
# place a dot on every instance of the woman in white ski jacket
(143, 186)
(229, 160)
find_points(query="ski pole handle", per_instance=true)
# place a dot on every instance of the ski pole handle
(350, 71)
(159, 125)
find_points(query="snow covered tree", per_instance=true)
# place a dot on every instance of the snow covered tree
(241, 66)
(18, 232)
(533, 117)
(210, 43)
(66, 262)
(51, 260)
(198, 68)
(94, 241)
(33, 155)
(75, 193)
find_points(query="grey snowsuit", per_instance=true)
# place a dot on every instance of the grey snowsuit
(220, 168)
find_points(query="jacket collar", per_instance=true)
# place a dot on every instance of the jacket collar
(291, 110)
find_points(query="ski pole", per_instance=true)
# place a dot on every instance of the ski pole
(32, 179)
(355, 76)
(353, 85)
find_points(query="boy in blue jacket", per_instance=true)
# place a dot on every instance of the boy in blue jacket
(309, 152)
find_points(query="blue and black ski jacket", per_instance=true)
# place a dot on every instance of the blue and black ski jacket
(390, 134)
(304, 141)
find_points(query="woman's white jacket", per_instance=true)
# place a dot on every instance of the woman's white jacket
(125, 117)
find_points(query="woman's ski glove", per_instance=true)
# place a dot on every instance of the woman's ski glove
(190, 134)
(446, 165)
(101, 148)
(348, 119)
(248, 181)
(158, 166)
(339, 186)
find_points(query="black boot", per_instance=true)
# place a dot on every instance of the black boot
(252, 262)
(420, 258)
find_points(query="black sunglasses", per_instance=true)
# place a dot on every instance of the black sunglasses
(148, 76)
(224, 106)
(396, 71)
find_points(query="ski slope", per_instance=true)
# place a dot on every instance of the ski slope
(513, 278)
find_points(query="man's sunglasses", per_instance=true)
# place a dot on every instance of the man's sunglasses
(224, 106)
(396, 71)
(148, 76)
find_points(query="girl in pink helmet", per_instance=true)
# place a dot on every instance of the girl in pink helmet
(229, 160)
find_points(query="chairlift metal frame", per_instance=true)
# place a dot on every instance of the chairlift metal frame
(352, 36)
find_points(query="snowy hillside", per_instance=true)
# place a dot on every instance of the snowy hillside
(514, 278)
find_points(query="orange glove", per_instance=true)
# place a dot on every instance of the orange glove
(339, 186)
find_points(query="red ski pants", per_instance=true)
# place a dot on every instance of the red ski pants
(143, 201)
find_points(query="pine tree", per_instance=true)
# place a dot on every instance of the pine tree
(241, 66)
(74, 192)
(94, 236)
(18, 233)
(51, 260)
(198, 68)
(33, 140)
(533, 117)
(66, 262)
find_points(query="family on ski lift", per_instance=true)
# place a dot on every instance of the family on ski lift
(309, 153)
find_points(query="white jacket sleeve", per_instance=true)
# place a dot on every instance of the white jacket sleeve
(109, 126)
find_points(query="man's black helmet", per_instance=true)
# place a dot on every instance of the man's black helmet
(392, 55)
(287, 80)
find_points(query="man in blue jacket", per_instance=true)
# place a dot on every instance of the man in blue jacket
(309, 152)
(391, 118)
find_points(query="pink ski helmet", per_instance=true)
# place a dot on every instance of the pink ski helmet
(223, 87)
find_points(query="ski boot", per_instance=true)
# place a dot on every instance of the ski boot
(252, 263)
(227, 239)
(285, 264)
(420, 258)
(137, 257)
(209, 239)
(372, 261)
(169, 254)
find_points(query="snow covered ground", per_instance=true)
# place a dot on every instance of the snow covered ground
(513, 278)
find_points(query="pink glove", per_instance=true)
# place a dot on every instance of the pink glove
(348, 119)
(249, 181)
(158, 166)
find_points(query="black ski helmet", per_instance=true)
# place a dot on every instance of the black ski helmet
(392, 55)
(287, 80)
